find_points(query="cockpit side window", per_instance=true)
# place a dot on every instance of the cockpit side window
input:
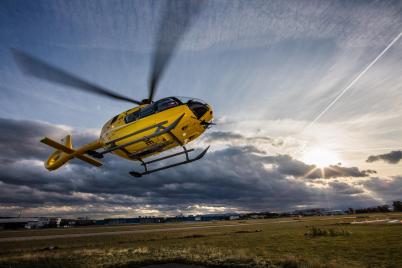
(166, 104)
(114, 119)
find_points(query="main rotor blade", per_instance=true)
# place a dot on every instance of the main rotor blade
(176, 19)
(37, 68)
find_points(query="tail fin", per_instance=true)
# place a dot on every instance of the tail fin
(65, 152)
(68, 141)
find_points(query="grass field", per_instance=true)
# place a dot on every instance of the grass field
(284, 242)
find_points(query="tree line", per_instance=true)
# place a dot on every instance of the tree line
(396, 206)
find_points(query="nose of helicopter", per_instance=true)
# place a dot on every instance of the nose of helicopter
(201, 109)
(208, 114)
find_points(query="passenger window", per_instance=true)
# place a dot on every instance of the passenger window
(147, 111)
(132, 117)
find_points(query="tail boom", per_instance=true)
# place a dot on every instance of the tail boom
(65, 152)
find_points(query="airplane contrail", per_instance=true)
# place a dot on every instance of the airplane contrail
(354, 81)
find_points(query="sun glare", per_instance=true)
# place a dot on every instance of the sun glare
(320, 157)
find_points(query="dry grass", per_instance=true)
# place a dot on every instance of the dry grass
(316, 231)
(271, 243)
(134, 257)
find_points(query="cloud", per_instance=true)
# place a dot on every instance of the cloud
(261, 23)
(334, 171)
(228, 136)
(223, 135)
(390, 189)
(233, 178)
(345, 188)
(392, 158)
(20, 139)
(286, 165)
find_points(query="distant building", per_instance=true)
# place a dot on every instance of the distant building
(234, 217)
(36, 224)
(139, 220)
(318, 212)
(180, 218)
(309, 212)
(334, 212)
(15, 223)
(44, 222)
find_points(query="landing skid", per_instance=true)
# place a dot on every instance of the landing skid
(188, 160)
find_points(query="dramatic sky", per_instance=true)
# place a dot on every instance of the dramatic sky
(268, 68)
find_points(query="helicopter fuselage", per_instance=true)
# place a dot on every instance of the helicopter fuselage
(141, 121)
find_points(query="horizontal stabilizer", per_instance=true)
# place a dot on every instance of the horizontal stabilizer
(89, 160)
(57, 145)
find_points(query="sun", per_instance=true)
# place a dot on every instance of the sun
(320, 157)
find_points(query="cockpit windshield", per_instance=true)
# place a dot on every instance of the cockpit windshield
(199, 107)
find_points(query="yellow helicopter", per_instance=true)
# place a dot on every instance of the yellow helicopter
(145, 130)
